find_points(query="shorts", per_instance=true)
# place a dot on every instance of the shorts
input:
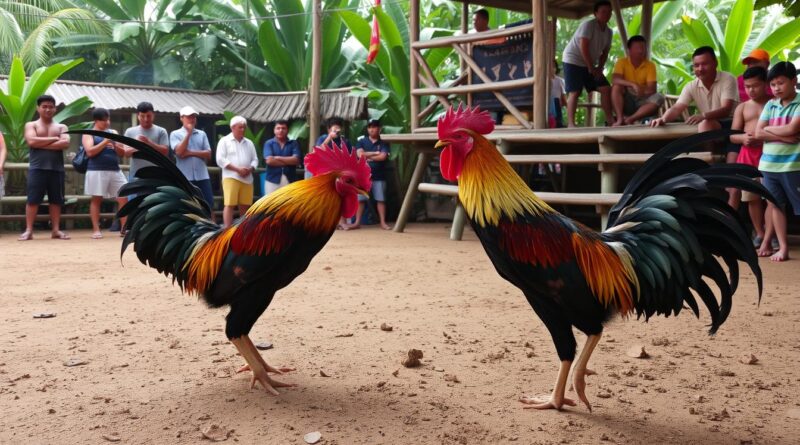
(270, 187)
(236, 192)
(105, 183)
(750, 155)
(750, 196)
(378, 192)
(785, 187)
(577, 77)
(633, 102)
(41, 182)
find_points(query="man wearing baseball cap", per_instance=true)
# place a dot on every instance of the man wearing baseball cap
(757, 57)
(193, 151)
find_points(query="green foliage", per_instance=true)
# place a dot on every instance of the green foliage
(18, 104)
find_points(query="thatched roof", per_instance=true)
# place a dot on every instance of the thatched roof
(255, 106)
(269, 107)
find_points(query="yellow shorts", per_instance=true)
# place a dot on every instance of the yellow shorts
(236, 192)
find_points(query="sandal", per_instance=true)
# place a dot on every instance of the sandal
(97, 235)
(26, 236)
(60, 235)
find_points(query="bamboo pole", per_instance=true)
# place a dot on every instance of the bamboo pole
(540, 74)
(413, 35)
(316, 76)
(623, 34)
(646, 28)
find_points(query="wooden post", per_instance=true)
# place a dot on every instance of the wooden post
(608, 173)
(423, 160)
(464, 29)
(540, 74)
(316, 75)
(623, 34)
(591, 111)
(459, 218)
(646, 27)
(413, 36)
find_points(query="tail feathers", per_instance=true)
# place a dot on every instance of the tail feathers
(168, 219)
(675, 222)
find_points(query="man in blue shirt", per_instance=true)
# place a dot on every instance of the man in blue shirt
(376, 151)
(193, 151)
(282, 156)
(334, 136)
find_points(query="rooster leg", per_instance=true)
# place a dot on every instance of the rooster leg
(557, 399)
(580, 372)
(254, 360)
(257, 354)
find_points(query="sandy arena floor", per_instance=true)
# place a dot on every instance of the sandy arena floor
(158, 369)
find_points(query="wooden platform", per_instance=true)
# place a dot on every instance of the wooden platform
(607, 147)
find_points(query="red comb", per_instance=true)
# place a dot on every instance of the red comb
(465, 118)
(323, 160)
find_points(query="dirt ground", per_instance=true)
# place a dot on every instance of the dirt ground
(159, 370)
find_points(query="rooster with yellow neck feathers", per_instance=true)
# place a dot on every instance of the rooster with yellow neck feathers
(663, 239)
(242, 266)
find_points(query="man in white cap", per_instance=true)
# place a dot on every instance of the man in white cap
(193, 151)
(236, 156)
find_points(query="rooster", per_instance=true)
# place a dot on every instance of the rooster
(172, 230)
(663, 237)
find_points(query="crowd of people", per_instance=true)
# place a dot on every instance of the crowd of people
(190, 149)
(762, 102)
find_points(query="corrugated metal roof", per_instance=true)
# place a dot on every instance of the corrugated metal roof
(125, 97)
(269, 107)
(255, 106)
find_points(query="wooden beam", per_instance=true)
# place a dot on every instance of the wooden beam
(471, 38)
(646, 26)
(413, 36)
(316, 75)
(623, 34)
(479, 88)
(464, 30)
(429, 79)
(540, 94)
(500, 96)
(423, 160)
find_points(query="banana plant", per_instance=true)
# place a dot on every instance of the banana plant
(18, 103)
(732, 43)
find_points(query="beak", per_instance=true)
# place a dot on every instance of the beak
(442, 144)
(362, 192)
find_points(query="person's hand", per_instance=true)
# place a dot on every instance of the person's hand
(333, 134)
(637, 90)
(189, 128)
(748, 138)
(244, 172)
(597, 72)
(144, 139)
(695, 119)
(657, 122)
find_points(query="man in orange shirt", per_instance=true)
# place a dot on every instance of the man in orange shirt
(633, 91)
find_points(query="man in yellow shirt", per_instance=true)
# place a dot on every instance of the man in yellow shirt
(633, 91)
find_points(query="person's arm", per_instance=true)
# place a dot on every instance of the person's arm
(721, 112)
(181, 146)
(792, 129)
(161, 148)
(35, 141)
(269, 156)
(253, 156)
(670, 115)
(91, 148)
(120, 149)
(222, 157)
(3, 153)
(294, 159)
(63, 138)
(205, 151)
(650, 89)
(619, 79)
(738, 124)
(587, 58)
(382, 154)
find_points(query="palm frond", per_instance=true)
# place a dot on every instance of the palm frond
(39, 44)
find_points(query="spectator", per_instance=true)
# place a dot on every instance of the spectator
(779, 128)
(193, 151)
(149, 133)
(745, 118)
(282, 156)
(377, 153)
(713, 92)
(558, 97)
(47, 141)
(757, 57)
(3, 153)
(633, 93)
(236, 156)
(480, 20)
(103, 176)
(584, 59)
(333, 136)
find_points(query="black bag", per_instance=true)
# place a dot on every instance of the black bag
(81, 161)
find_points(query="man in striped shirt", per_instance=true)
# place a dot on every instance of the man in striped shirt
(779, 128)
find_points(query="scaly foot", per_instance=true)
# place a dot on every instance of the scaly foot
(269, 368)
(579, 384)
(553, 403)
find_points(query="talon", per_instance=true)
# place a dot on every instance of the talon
(535, 403)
